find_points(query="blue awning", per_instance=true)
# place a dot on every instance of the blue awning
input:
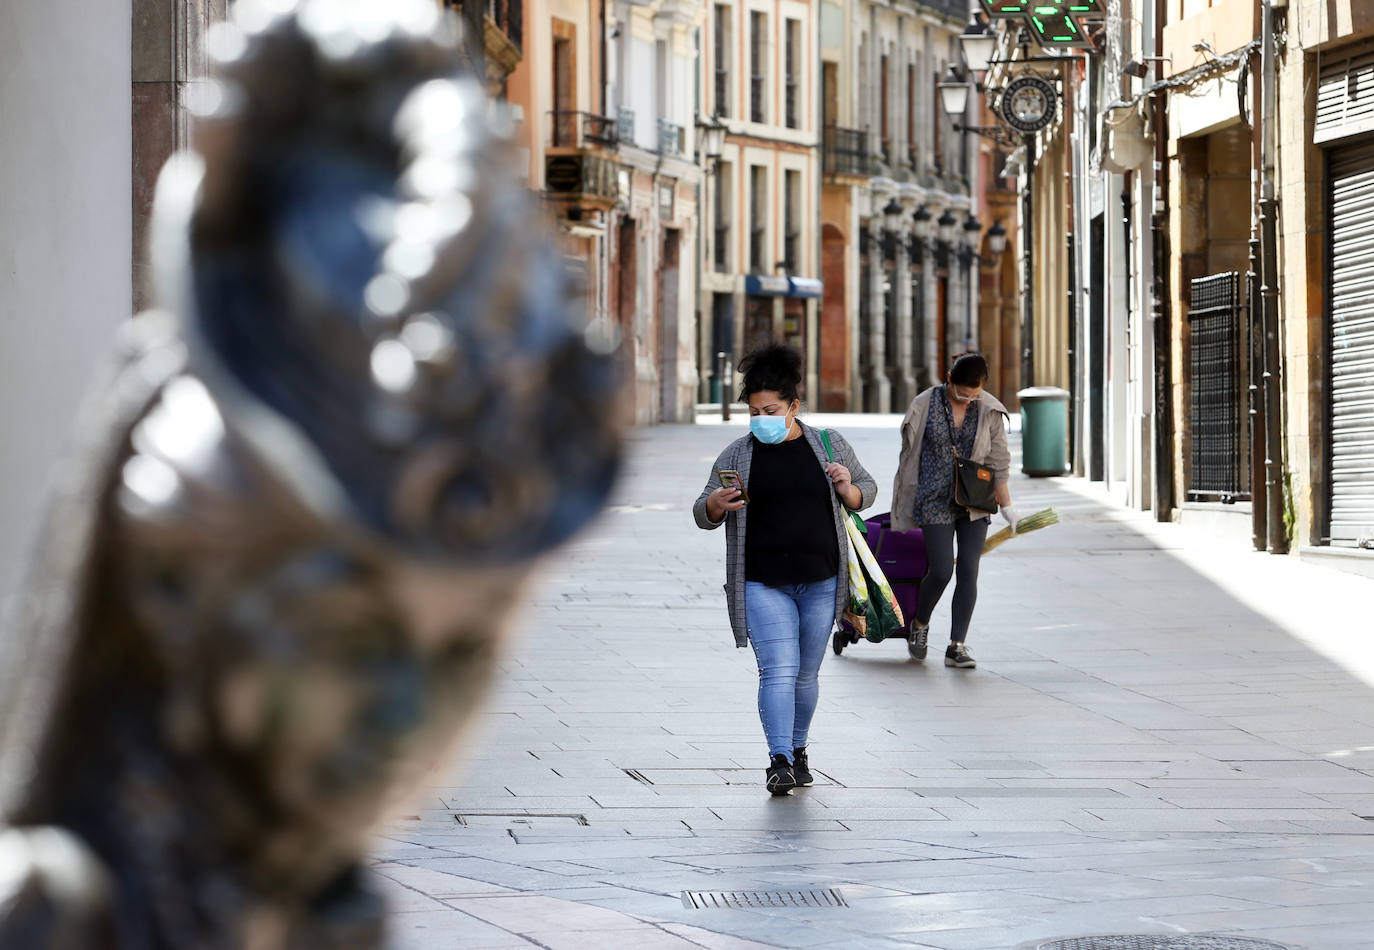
(764, 286)
(756, 285)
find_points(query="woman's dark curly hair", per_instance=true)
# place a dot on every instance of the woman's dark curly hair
(971, 369)
(774, 366)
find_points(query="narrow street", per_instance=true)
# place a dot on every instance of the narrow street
(1166, 734)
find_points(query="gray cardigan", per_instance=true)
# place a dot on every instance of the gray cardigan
(989, 448)
(737, 456)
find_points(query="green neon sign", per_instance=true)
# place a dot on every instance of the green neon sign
(1051, 23)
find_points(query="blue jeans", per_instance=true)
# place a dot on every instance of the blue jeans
(789, 629)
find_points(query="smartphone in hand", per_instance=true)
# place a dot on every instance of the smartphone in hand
(730, 479)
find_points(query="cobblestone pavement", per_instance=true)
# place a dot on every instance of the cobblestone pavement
(1165, 735)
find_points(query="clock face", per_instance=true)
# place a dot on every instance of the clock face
(1028, 104)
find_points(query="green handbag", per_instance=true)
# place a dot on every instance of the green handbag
(873, 611)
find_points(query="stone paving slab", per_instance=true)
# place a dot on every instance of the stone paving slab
(1163, 736)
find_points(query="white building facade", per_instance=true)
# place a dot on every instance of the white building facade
(651, 93)
(760, 214)
(900, 189)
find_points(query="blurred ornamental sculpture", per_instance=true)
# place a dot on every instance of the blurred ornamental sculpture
(274, 579)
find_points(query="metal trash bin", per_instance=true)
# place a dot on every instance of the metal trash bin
(1044, 430)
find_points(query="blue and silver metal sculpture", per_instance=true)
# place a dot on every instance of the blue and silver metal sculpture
(276, 575)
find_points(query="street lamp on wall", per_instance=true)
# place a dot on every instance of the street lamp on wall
(892, 224)
(954, 91)
(997, 238)
(946, 223)
(978, 43)
(711, 133)
(916, 240)
(920, 223)
(972, 229)
(892, 216)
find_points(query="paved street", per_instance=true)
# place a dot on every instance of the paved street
(1163, 736)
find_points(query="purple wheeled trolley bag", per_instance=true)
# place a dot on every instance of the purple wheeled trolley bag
(902, 557)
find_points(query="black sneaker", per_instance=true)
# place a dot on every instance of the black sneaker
(779, 777)
(916, 644)
(801, 770)
(957, 655)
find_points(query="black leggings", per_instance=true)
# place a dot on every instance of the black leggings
(940, 552)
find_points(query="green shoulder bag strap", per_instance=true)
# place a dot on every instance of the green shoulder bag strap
(830, 454)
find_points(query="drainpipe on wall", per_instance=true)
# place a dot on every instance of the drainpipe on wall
(1259, 505)
(1028, 277)
(1164, 499)
(1269, 291)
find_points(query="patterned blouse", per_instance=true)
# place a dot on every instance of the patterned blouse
(935, 490)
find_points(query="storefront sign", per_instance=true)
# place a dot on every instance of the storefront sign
(1051, 22)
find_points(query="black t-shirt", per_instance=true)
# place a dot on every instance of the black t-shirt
(790, 535)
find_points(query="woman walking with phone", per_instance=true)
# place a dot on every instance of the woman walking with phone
(783, 502)
(957, 417)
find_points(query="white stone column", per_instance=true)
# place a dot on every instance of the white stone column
(877, 388)
(931, 329)
(66, 245)
(956, 301)
(903, 380)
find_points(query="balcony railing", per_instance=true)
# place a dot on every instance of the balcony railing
(790, 110)
(582, 130)
(845, 152)
(584, 178)
(509, 17)
(625, 125)
(756, 112)
(722, 248)
(722, 92)
(791, 243)
(670, 138)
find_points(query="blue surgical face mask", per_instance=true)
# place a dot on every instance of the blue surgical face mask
(769, 429)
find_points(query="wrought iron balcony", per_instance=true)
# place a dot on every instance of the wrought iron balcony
(625, 126)
(581, 130)
(670, 138)
(581, 179)
(508, 16)
(578, 169)
(845, 152)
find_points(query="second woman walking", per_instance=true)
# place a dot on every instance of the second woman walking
(956, 418)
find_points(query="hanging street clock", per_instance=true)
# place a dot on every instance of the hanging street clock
(1028, 104)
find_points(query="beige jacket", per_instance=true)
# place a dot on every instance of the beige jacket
(989, 448)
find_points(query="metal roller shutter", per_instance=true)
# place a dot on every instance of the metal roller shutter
(1345, 97)
(1351, 174)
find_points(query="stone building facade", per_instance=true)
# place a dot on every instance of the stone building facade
(901, 238)
(759, 260)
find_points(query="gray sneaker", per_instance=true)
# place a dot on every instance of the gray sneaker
(957, 655)
(916, 644)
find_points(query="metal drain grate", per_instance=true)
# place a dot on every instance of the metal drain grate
(702, 900)
(1161, 942)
